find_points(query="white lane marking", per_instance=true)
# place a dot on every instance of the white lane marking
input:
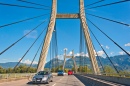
(54, 84)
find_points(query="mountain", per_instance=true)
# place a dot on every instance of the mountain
(122, 62)
(12, 64)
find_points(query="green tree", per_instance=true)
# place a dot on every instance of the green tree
(109, 70)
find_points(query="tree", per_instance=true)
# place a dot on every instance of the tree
(109, 70)
(2, 70)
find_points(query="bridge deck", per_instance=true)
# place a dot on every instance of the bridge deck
(58, 81)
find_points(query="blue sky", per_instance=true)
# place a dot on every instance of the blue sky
(68, 30)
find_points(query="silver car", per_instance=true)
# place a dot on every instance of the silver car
(43, 77)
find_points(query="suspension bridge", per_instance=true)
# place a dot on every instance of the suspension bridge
(45, 46)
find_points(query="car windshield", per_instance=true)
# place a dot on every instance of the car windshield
(60, 70)
(42, 73)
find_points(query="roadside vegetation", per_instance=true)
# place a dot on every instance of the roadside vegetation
(19, 69)
(108, 70)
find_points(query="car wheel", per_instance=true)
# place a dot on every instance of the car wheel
(51, 79)
(47, 81)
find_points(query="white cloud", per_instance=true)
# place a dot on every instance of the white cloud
(86, 55)
(77, 54)
(19, 59)
(128, 44)
(112, 53)
(81, 54)
(29, 62)
(128, 52)
(121, 53)
(70, 53)
(33, 34)
(100, 53)
(107, 47)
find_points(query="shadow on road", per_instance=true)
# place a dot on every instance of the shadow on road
(38, 84)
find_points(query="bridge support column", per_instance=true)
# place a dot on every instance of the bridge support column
(73, 58)
(48, 37)
(88, 39)
(64, 60)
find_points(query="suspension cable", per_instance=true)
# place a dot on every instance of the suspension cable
(94, 3)
(109, 20)
(35, 56)
(53, 50)
(56, 45)
(33, 3)
(80, 48)
(104, 51)
(45, 47)
(15, 5)
(109, 4)
(97, 55)
(21, 21)
(99, 59)
(30, 48)
(109, 37)
(21, 38)
(50, 57)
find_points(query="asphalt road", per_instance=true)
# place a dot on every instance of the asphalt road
(70, 80)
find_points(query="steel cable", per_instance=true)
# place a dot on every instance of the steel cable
(109, 37)
(94, 3)
(97, 55)
(33, 3)
(110, 20)
(104, 51)
(35, 56)
(5, 25)
(109, 4)
(29, 48)
(15, 5)
(21, 38)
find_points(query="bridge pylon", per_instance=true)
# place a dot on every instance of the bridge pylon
(73, 58)
(81, 16)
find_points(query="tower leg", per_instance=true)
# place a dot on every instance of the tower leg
(48, 37)
(75, 68)
(88, 40)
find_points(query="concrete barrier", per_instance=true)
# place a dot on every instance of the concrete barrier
(98, 80)
(121, 80)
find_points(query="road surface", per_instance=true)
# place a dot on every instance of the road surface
(57, 81)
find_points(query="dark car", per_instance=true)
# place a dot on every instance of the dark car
(43, 77)
(60, 72)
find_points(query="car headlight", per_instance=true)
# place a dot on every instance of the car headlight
(44, 78)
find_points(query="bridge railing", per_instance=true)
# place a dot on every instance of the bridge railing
(116, 75)
(15, 75)
(111, 74)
